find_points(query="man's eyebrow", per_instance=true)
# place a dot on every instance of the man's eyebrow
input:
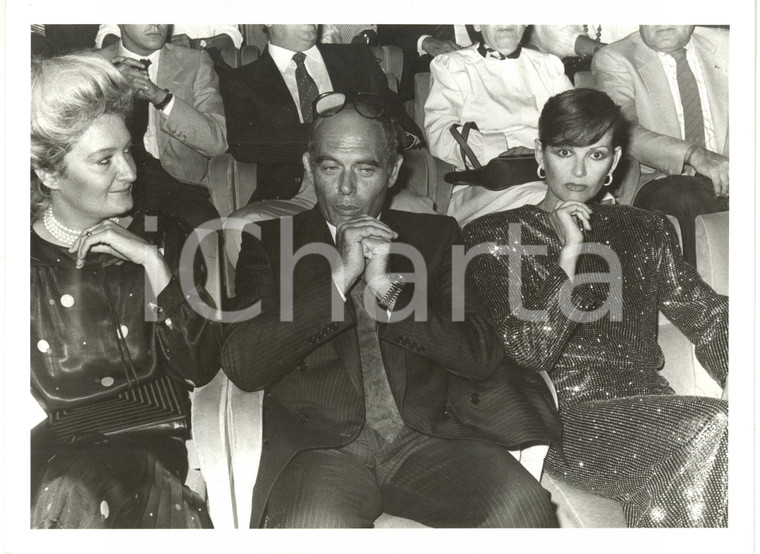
(327, 158)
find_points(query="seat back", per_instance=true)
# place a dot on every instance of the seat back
(248, 53)
(254, 35)
(391, 61)
(712, 249)
(421, 91)
(583, 79)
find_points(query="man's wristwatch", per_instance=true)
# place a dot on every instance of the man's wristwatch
(397, 285)
(165, 102)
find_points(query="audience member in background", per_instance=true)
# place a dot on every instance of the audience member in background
(575, 40)
(354, 418)
(218, 36)
(575, 44)
(62, 39)
(672, 83)
(178, 123)
(499, 86)
(419, 44)
(114, 384)
(626, 435)
(348, 34)
(269, 102)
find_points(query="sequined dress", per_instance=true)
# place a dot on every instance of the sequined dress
(626, 434)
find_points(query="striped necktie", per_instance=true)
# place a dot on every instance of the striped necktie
(693, 121)
(307, 88)
(382, 413)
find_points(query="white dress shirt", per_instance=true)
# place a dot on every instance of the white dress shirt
(669, 66)
(192, 31)
(150, 140)
(315, 65)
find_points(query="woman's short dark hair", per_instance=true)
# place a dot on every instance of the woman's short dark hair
(580, 117)
(68, 94)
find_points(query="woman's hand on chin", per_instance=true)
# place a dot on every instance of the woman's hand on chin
(111, 238)
(568, 218)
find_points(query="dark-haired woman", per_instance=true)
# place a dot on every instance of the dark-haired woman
(115, 344)
(583, 304)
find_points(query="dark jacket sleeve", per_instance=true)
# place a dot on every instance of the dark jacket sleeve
(190, 342)
(470, 347)
(252, 135)
(260, 349)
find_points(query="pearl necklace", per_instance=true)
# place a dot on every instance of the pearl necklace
(59, 231)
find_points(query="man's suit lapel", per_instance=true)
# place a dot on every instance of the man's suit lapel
(169, 69)
(270, 82)
(341, 74)
(716, 79)
(650, 69)
(346, 344)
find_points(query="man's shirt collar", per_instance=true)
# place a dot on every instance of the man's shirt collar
(127, 53)
(283, 57)
(489, 53)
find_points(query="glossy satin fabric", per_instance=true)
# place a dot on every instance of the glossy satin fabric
(88, 325)
(90, 340)
(626, 435)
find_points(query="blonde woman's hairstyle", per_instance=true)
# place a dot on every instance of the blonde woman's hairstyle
(68, 94)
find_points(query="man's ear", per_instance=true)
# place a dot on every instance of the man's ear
(394, 171)
(49, 178)
(306, 159)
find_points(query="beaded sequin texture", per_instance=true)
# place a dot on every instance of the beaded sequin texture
(626, 434)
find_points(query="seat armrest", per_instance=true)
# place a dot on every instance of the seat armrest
(421, 92)
(220, 180)
(711, 234)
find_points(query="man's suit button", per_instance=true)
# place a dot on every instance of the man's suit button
(475, 398)
(446, 412)
(303, 417)
(398, 339)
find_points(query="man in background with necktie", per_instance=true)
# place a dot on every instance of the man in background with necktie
(672, 84)
(268, 102)
(178, 122)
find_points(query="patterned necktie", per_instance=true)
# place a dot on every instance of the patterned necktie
(307, 88)
(382, 413)
(138, 125)
(693, 122)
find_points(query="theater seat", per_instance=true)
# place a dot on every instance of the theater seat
(391, 61)
(712, 249)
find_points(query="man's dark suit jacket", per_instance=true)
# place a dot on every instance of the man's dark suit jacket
(262, 118)
(406, 37)
(449, 379)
